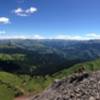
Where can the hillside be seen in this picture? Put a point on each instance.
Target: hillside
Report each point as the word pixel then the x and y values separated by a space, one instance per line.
pixel 81 81
pixel 14 85
pixel 88 66
pixel 80 86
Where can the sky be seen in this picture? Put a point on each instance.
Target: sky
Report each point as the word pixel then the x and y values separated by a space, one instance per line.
pixel 52 19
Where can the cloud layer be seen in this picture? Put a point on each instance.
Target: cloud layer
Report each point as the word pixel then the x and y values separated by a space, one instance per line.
pixel 78 37
pixel 4 20
pixel 61 36
pixel 25 12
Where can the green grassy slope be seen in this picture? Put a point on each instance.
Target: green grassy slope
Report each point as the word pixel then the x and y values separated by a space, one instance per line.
pixel 5 93
pixel 88 66
pixel 12 85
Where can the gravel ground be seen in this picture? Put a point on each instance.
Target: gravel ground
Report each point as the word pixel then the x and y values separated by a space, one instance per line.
pixel 80 86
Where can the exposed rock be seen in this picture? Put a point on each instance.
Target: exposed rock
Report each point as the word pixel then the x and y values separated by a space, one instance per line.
pixel 80 86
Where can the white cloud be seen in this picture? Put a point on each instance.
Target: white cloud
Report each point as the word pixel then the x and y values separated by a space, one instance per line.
pixel 21 36
pixel 69 37
pixel 31 10
pixel 87 36
pixel 18 10
pixel 4 20
pixel 2 32
pixel 37 37
pixel 93 35
pixel 25 12
pixel 60 36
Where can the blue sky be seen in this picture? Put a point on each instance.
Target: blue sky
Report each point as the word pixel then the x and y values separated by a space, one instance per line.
pixel 59 19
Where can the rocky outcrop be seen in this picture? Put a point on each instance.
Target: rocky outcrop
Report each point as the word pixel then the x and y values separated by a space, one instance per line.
pixel 80 86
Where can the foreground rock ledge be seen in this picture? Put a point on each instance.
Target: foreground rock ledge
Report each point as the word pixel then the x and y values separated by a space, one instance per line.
pixel 81 86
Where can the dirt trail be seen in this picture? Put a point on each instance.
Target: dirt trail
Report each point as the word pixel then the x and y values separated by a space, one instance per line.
pixel 24 98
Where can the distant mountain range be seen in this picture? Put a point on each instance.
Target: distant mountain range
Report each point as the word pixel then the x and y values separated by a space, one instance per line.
pixel 65 48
